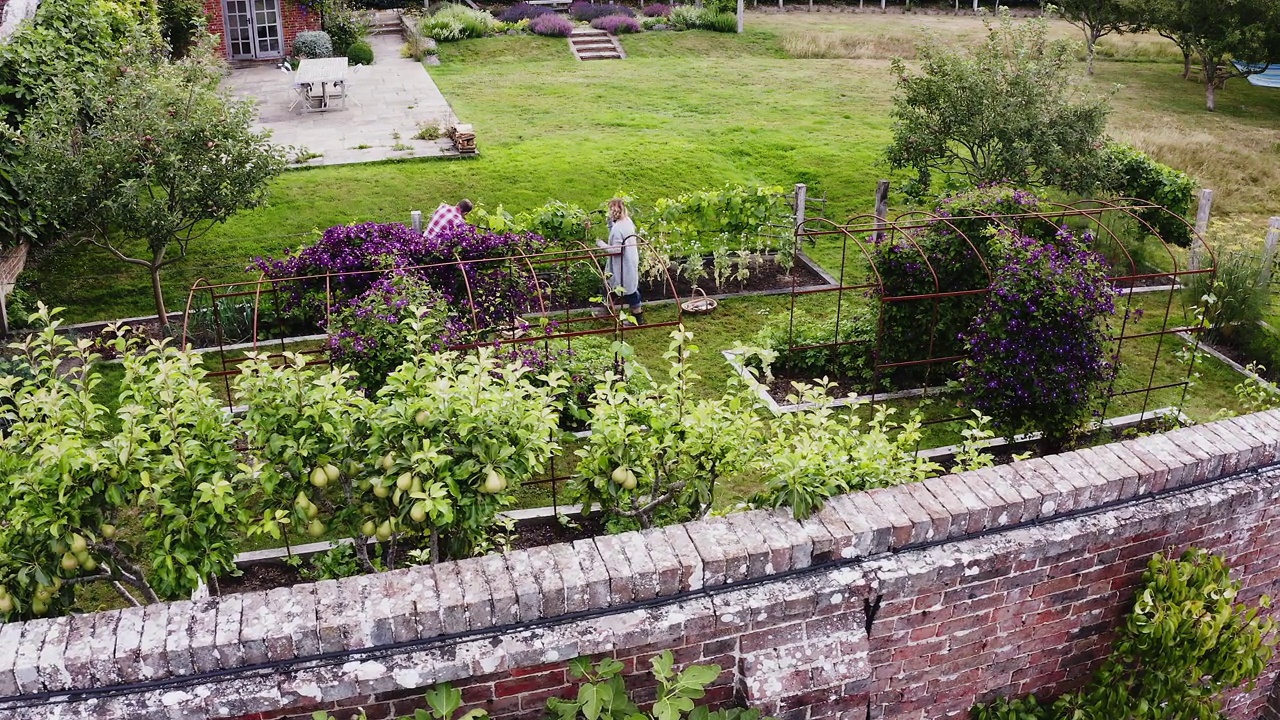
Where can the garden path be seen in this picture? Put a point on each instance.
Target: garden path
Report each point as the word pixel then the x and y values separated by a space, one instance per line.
pixel 387 103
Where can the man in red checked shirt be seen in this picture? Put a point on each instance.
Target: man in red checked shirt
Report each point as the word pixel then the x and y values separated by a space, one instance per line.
pixel 447 217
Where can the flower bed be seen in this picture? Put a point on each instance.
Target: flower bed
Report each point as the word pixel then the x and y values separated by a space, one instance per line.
pixel 551 26
pixel 616 24
pixel 587 11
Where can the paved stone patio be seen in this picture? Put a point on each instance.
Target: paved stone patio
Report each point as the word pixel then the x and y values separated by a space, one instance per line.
pixel 391 97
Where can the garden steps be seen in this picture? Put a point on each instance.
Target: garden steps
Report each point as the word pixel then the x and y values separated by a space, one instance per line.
pixel 384 22
pixel 592 44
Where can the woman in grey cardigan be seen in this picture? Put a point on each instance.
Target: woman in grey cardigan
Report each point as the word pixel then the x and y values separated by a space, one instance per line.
pixel 624 258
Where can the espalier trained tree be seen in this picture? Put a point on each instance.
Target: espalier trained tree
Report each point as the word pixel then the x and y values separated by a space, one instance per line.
pixel 304 429
pixel 161 504
pixel 177 450
pixel 452 436
pixel 435 454
pixel 810 457
pixel 72 481
pixel 655 454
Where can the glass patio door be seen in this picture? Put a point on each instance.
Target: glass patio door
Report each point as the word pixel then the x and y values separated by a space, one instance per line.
pixel 253 29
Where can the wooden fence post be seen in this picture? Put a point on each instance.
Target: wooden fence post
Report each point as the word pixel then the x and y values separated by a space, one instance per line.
pixel 1202 227
pixel 802 194
pixel 741 12
pixel 415 219
pixel 1269 253
pixel 882 208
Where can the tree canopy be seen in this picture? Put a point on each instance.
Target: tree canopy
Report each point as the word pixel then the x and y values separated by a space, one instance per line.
pixel 1217 32
pixel 1098 18
pixel 1002 112
pixel 148 163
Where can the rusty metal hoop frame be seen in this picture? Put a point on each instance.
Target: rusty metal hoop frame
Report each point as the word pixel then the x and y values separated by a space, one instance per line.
pixel 544 306
pixel 576 322
pixel 856 235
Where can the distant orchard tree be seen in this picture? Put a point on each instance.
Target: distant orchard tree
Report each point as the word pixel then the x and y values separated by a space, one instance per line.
pixel 147 163
pixel 1001 112
pixel 1098 18
pixel 1217 32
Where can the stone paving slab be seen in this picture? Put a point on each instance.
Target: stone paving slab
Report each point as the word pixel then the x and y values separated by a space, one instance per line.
pixel 391 97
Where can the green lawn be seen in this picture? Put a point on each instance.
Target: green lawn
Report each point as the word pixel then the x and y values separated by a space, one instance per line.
pixel 684 111
pixel 692 110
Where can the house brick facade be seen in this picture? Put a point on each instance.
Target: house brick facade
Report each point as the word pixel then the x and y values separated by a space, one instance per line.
pixel 294 19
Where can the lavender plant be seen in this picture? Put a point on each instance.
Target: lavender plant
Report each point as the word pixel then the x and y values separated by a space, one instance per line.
pixel 587 11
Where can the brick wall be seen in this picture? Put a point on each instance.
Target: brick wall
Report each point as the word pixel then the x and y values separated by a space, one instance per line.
pixel 294 18
pixel 901 603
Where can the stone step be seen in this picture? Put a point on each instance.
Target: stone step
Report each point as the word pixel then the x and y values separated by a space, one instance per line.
pixel 592 44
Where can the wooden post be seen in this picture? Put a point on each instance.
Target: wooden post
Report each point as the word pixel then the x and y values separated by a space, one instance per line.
pixel 882 208
pixel 741 11
pixel 1202 227
pixel 415 219
pixel 802 194
pixel 1269 253
pixel 882 5
pixel 975 7
pixel 779 4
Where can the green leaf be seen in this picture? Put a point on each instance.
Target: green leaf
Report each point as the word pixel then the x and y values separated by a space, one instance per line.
pixel 591 699
pixel 671 708
pixel 444 700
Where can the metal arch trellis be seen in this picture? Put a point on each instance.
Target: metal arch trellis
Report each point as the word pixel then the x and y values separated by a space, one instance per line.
pixel 545 318
pixel 861 281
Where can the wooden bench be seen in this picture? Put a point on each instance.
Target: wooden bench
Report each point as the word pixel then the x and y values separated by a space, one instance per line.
pixel 553 4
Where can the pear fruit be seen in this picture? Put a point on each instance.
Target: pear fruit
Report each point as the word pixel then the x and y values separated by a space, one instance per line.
pixel 493 482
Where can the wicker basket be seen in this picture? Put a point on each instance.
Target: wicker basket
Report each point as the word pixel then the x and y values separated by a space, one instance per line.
pixel 699 306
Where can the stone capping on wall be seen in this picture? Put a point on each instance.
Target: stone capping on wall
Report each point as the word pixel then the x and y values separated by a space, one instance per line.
pixel 178 644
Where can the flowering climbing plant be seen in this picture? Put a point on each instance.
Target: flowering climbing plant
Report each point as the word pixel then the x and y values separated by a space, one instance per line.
pixel 467 265
pixel 1038 349
pixel 368 332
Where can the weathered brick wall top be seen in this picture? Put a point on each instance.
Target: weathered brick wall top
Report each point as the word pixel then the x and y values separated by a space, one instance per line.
pixel 326 642
pixel 13 12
